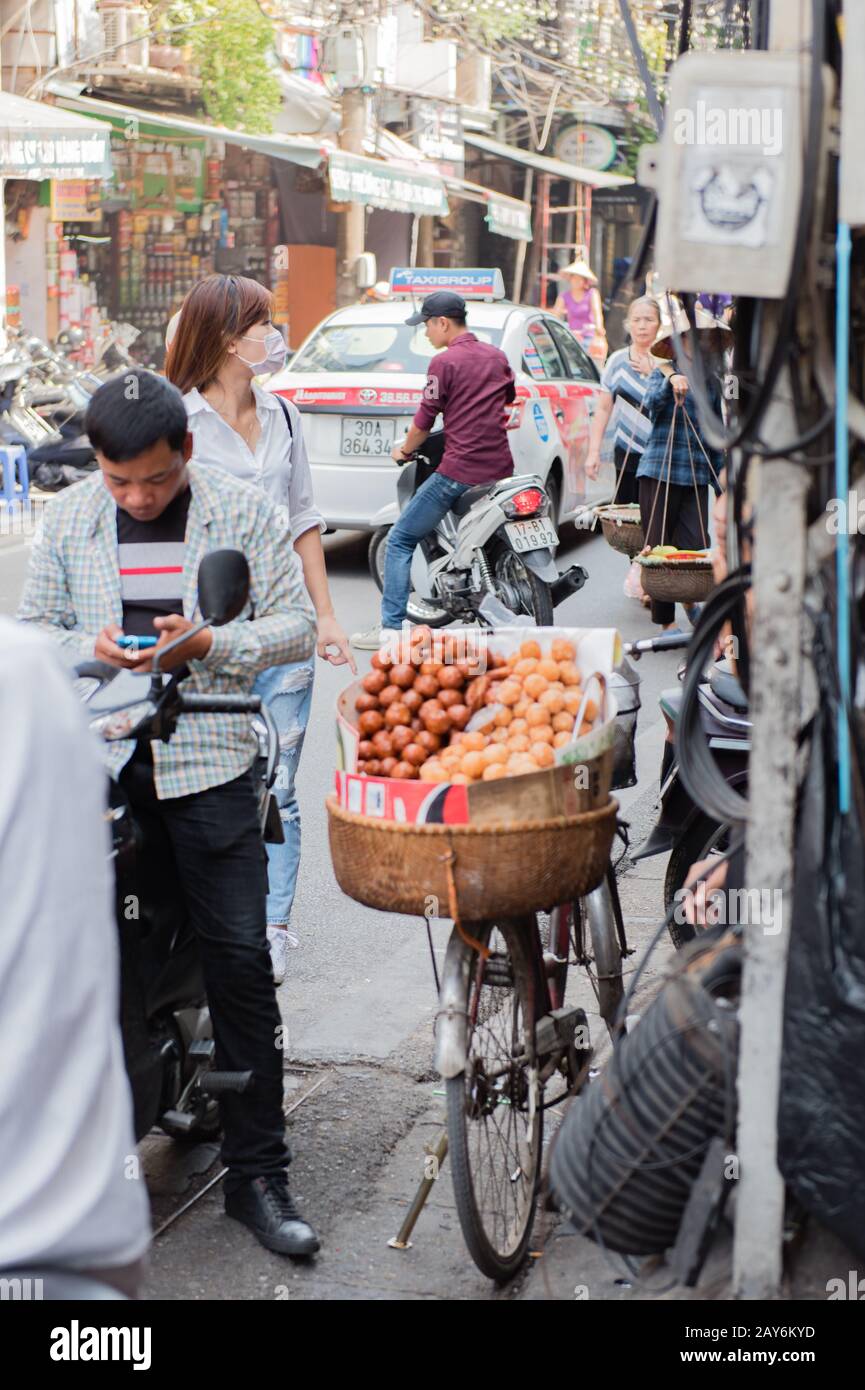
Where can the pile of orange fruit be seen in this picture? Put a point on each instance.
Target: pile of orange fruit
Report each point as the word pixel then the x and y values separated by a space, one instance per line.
pixel 522 709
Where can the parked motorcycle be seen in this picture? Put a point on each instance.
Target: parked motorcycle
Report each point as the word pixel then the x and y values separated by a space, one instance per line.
pixel 44 394
pixel 684 828
pixel 496 543
pixel 165 1022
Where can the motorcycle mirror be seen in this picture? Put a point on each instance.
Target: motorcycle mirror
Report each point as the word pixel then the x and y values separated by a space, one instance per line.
pixel 223 586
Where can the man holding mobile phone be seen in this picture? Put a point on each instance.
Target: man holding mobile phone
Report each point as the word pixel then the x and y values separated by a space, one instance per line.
pixel 119 557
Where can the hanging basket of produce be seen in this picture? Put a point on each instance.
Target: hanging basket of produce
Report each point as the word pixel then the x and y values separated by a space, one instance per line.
pixel 622 527
pixel 671 575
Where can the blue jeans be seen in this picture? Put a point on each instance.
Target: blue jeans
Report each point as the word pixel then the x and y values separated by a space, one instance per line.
pixel 287 691
pixel 431 502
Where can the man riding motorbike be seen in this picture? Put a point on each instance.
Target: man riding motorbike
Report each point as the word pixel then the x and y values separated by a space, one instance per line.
pixel 119 559
pixel 471 384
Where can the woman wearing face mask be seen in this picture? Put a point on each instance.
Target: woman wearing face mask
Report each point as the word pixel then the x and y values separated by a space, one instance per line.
pixel 222 339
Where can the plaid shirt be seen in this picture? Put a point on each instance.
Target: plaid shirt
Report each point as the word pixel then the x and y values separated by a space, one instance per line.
pixel 687 463
pixel 73 592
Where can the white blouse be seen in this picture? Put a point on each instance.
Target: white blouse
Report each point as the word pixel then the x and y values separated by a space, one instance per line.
pixel 279 465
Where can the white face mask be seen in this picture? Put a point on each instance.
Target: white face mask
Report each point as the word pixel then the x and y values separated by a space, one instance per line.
pixel 274 353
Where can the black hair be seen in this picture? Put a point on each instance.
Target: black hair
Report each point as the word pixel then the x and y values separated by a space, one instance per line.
pixel 132 412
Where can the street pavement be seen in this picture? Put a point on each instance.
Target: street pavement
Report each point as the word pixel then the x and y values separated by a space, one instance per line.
pixel 358 1003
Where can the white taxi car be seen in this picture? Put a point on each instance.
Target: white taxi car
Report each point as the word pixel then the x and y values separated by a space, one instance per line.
pixel 358 380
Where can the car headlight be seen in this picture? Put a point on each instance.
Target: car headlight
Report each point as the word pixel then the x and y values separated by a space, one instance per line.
pixel 122 723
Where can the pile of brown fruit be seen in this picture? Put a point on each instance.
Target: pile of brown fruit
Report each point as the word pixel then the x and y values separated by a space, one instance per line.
pixel 413 715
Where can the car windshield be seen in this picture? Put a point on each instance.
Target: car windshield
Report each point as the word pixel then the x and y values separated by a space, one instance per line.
pixel 373 347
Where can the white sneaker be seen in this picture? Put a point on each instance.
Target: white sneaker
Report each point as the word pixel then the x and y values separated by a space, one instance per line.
pixel 277 940
pixel 373 638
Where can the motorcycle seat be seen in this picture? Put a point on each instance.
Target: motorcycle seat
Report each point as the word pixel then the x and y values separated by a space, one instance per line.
pixel 470 496
pixel 725 685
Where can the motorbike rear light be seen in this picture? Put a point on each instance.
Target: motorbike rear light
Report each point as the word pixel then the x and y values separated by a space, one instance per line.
pixel 527 502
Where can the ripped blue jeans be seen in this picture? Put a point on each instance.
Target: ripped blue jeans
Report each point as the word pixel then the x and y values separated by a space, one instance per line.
pixel 287 690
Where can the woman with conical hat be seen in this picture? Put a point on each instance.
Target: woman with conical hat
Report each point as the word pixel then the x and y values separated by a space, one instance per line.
pixel 580 306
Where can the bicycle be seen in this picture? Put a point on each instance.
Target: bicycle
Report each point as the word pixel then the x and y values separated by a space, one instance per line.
pixel 508 979
pixel 512 978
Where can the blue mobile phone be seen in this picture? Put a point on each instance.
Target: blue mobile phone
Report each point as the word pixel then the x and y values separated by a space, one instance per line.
pixel 137 644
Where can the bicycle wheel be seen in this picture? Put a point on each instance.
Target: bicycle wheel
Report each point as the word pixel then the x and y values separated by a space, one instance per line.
pixel 495 1122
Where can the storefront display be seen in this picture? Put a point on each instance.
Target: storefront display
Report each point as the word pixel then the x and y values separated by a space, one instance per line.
pixel 174 213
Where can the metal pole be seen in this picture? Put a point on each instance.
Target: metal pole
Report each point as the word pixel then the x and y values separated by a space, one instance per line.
pixel 425 242
pixel 777 675
pixel 521 245
pixel 351 227
pixel 401 1240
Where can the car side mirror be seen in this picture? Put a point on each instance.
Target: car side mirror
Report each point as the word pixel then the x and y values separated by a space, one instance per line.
pixel 223 586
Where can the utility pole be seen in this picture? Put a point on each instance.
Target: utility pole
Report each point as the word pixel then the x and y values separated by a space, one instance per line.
pixel 425 255
pixel 351 227
pixel 777 676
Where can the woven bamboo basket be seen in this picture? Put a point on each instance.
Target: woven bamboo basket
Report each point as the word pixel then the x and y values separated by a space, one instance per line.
pixel 680 581
pixel 475 872
pixel 622 528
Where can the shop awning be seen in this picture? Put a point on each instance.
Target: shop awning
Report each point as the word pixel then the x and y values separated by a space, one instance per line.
pixel 595 178
pixel 356 179
pixel 39 141
pixel 297 149
pixel 505 216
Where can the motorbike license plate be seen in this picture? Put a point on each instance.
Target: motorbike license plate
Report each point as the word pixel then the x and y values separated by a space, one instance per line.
pixel 538 533
pixel 367 436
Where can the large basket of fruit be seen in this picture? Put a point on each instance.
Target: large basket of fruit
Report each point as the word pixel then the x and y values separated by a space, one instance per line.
pixel 670 575
pixel 469 872
pixel 516 727
pixel 622 527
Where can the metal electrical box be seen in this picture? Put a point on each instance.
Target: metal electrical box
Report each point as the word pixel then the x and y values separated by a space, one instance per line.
pixel 343 55
pixel 728 171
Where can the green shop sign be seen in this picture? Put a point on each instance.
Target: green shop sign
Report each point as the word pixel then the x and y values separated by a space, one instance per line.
pixel 507 217
pixel 354 179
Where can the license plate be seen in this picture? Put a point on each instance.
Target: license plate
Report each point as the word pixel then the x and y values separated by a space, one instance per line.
pixel 367 437
pixel 538 533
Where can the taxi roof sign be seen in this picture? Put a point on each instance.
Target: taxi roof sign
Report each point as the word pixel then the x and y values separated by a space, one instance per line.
pixel 411 282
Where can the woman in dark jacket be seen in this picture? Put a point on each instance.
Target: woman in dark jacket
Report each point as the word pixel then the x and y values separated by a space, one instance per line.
pixel 674 474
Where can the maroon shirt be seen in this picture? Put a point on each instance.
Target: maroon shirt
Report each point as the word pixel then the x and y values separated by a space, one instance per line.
pixel 470 383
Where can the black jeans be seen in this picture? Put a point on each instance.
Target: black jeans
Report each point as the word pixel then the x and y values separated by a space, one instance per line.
pixel 627 489
pixel 682 526
pixel 208 848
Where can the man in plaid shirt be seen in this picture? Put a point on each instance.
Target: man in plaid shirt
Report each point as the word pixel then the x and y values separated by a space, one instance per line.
pixel 119 555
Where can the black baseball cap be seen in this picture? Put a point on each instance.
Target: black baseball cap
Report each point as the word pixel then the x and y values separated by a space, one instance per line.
pixel 444 304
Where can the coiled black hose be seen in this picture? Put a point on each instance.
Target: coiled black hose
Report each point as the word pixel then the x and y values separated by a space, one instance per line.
pixel 629 1150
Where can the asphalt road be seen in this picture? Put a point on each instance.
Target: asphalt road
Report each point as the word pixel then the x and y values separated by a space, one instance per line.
pixel 359 1002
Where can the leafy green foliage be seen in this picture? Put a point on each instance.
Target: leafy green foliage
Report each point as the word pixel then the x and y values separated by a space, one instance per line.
pixel 230 42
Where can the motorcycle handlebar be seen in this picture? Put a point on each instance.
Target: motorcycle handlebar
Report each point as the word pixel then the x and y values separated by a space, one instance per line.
pixel 667 642
pixel 220 704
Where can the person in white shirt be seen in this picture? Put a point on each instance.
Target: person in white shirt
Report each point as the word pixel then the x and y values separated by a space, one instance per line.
pixel 72 1194
pixel 221 339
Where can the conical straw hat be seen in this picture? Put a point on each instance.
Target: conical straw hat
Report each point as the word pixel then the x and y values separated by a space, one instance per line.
pixel 578 268
pixel 720 337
